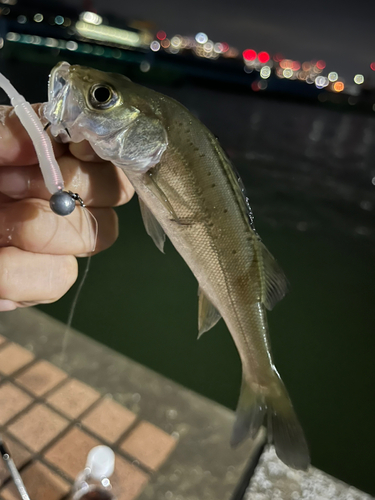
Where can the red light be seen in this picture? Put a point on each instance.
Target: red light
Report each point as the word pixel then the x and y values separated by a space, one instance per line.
pixel 224 47
pixel 255 86
pixel 161 35
pixel 263 57
pixel 296 66
pixel 320 64
pixel 249 54
pixel 372 66
pixel 278 57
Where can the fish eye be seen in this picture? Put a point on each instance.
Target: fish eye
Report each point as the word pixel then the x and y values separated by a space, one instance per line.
pixel 102 96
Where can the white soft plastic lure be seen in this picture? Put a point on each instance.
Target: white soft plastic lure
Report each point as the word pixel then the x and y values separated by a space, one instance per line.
pixel 61 202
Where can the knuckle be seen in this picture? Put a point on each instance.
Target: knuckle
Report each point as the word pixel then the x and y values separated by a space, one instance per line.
pixel 108 230
pixel 7 259
pixel 71 267
pixel 63 276
pixel 127 189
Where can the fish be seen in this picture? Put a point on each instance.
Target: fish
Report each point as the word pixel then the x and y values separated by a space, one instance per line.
pixel 189 191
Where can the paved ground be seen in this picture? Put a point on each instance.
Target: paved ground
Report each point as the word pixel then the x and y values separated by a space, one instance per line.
pixel 273 480
pixel 170 443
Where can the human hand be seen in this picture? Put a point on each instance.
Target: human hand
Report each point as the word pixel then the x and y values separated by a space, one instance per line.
pixel 38 248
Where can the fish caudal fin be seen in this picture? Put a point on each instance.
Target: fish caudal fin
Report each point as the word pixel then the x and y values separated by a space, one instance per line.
pixel 250 413
pixel 284 429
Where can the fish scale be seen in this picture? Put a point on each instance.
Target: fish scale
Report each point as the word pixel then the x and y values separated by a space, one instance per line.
pixel 223 259
pixel 189 191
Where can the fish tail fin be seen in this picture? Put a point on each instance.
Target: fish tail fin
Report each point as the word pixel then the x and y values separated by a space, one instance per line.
pixel 284 429
pixel 250 413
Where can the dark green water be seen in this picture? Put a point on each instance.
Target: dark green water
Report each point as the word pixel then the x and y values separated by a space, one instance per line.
pixel 308 175
pixel 144 304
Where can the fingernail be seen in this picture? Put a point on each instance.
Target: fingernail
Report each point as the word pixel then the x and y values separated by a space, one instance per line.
pixel 7 305
pixel 13 183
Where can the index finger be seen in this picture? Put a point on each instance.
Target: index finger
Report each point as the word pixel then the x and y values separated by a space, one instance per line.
pixel 16 147
pixel 83 151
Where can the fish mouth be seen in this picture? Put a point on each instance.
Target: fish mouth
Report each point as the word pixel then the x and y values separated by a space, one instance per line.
pixel 58 79
pixel 62 109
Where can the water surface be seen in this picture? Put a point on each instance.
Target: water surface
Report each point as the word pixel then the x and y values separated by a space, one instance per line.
pixel 309 174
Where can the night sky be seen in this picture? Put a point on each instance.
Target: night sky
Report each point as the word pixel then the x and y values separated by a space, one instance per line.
pixel 342 34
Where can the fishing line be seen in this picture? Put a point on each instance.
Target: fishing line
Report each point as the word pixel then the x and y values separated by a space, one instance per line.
pixel 93 232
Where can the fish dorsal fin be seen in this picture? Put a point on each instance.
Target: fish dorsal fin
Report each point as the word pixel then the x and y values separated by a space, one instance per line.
pixel 276 284
pixel 153 228
pixel 237 183
pixel 208 315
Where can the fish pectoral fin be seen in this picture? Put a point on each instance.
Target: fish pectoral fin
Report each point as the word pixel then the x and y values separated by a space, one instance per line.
pixel 183 221
pixel 208 315
pixel 153 228
pixel 160 195
pixel 276 284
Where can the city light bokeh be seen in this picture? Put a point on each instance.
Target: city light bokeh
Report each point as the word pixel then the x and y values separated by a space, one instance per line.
pixel 91 33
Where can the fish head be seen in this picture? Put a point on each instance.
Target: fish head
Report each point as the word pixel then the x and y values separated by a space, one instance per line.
pixel 109 111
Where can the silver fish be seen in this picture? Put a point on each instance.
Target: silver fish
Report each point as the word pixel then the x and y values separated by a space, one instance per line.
pixel 189 191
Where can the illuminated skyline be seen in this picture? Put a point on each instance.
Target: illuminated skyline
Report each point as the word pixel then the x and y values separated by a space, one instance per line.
pixel 340 33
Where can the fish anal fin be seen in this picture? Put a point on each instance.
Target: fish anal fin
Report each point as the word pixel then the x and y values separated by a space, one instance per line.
pixel 208 315
pixel 250 413
pixel 153 228
pixel 276 284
